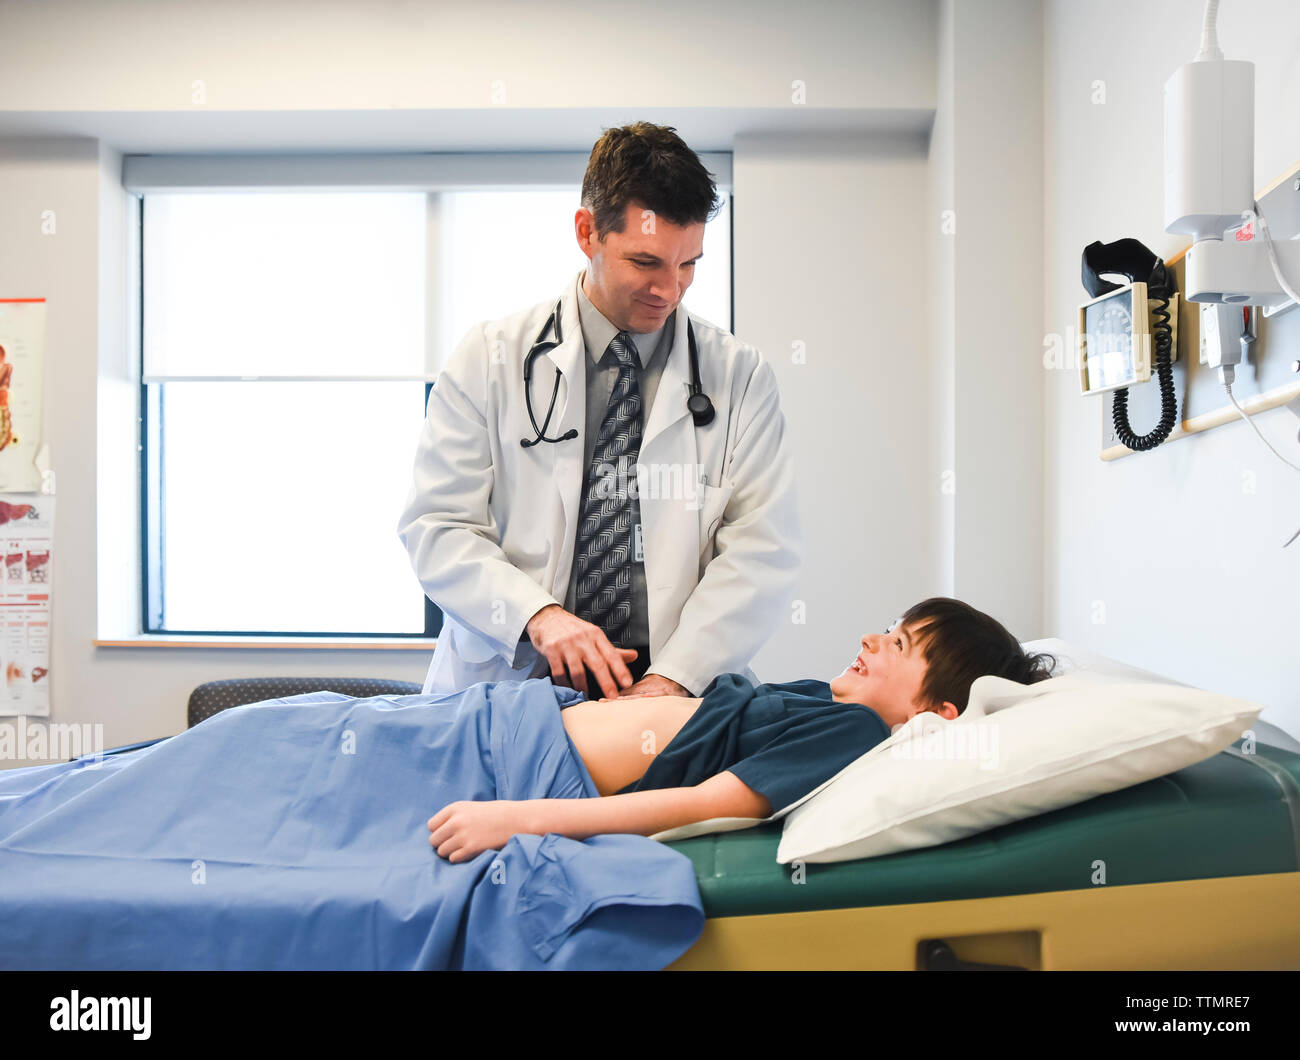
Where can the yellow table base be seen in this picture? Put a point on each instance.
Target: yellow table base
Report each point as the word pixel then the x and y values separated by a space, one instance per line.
pixel 1234 922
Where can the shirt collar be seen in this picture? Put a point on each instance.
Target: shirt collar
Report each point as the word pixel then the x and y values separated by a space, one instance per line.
pixel 598 332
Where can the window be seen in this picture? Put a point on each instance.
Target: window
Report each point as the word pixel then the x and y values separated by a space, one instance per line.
pixel 289 339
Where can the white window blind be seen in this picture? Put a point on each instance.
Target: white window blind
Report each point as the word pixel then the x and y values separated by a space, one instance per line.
pixel 281 285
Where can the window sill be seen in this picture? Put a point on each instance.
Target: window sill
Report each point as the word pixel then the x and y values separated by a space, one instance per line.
pixel 156 640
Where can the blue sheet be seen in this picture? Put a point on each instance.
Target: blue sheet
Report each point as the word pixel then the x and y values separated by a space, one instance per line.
pixel 292 834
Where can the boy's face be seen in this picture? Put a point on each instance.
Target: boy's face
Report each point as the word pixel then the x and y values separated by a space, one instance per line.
pixel 886 676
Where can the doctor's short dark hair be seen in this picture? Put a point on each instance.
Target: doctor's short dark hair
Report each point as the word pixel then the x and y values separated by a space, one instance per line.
pixel 960 644
pixel 651 165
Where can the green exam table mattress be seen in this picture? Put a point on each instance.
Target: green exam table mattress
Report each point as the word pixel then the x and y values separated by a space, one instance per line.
pixel 1199 868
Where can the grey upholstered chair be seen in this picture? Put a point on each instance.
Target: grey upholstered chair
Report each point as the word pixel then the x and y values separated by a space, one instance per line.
pixel 216 696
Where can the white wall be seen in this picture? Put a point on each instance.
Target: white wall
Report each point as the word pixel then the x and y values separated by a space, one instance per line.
pixel 818 186
pixel 846 328
pixel 1185 569
pixel 343 55
pixel 998 422
pixel 920 342
pixel 923 347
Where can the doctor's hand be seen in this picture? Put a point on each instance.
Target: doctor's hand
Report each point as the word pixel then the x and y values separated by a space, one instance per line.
pixel 572 645
pixel 655 685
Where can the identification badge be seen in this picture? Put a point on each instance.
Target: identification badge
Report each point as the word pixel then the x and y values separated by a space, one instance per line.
pixel 638 550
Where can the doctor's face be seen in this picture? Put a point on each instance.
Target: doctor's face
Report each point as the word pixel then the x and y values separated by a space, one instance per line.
pixel 638 276
pixel 886 676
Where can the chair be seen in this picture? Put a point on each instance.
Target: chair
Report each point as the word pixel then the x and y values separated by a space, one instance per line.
pixel 215 696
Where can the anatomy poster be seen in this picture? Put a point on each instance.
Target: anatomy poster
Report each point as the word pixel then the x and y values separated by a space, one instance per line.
pixel 26 533
pixel 22 365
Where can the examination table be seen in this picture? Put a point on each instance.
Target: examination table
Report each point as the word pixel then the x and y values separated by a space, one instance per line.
pixel 1197 869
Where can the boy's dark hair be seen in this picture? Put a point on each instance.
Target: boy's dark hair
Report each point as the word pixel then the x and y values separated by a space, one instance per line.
pixel 650 165
pixel 960 644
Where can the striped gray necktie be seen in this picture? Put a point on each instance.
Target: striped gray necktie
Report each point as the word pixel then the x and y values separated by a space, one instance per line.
pixel 605 545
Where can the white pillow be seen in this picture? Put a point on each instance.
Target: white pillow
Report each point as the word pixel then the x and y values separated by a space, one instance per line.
pixel 1016 751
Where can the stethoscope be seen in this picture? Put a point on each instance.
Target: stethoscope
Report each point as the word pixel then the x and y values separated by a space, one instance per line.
pixel 698 403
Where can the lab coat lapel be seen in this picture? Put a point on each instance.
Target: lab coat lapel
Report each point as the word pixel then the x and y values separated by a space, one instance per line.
pixel 570 357
pixel 670 397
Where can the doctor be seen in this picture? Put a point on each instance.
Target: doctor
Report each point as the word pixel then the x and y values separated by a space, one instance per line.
pixel 620 542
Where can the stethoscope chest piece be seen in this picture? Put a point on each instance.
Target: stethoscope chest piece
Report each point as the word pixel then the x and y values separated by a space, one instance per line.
pixel 701 409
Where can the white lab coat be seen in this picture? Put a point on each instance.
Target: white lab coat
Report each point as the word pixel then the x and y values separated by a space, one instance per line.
pixel 490 526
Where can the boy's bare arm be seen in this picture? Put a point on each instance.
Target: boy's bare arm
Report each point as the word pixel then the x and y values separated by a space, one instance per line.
pixel 461 830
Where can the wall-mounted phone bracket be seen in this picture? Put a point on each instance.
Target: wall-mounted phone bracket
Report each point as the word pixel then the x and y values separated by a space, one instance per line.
pixel 1266 380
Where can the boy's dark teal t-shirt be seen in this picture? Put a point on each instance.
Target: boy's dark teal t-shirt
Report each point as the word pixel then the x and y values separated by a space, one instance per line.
pixel 780 740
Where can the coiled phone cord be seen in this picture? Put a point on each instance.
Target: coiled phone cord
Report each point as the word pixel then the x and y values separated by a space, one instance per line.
pixel 1164 341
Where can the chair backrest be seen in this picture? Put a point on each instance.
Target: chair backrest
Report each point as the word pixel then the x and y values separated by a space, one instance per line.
pixel 216 696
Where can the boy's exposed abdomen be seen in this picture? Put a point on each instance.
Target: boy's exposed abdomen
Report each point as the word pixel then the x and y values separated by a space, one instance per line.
pixel 619 738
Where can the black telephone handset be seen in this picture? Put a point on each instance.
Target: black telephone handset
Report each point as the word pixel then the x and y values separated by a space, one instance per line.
pixel 1128 257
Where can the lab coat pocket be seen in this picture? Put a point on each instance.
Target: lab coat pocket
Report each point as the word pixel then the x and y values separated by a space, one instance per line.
pixel 713 504
pixel 468 645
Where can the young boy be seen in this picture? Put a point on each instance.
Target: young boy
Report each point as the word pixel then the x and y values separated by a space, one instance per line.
pixel 660 762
